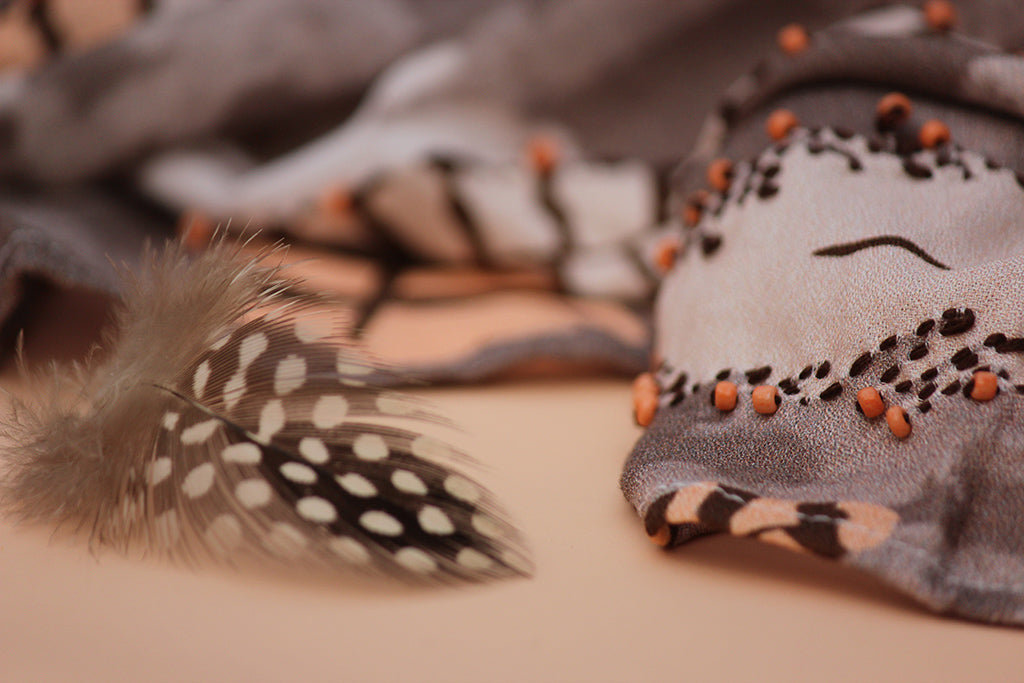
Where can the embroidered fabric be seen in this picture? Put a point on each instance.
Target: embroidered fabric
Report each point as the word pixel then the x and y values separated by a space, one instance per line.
pixel 866 281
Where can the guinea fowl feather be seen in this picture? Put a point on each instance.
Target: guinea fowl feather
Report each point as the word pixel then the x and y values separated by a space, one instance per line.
pixel 221 419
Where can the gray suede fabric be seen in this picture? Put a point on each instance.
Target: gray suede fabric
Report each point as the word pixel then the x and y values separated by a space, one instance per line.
pixel 852 257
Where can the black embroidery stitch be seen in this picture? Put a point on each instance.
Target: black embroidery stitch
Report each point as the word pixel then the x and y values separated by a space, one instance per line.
pixel 848 248
pixel 964 358
pixel 956 321
pixel 861 364
pixel 758 375
pixel 832 391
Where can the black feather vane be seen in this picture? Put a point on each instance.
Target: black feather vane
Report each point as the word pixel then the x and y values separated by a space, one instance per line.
pixel 225 421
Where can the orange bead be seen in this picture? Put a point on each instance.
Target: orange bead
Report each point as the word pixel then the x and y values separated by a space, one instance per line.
pixel 662 536
pixel 940 14
pixel 665 254
pixel 725 396
pixel 544 153
pixel 645 399
pixel 986 386
pixel 870 402
pixel 899 423
pixel 720 174
pixel 335 201
pixel 195 230
pixel 793 39
pixel 893 110
pixel 694 207
pixel 765 399
pixel 781 123
pixel 933 133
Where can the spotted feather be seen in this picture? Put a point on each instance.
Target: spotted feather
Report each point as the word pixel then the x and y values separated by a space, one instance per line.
pixel 228 422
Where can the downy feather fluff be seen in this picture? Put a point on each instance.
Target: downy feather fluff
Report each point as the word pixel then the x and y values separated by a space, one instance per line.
pixel 222 421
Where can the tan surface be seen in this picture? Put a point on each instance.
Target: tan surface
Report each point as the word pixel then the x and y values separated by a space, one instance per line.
pixel 606 605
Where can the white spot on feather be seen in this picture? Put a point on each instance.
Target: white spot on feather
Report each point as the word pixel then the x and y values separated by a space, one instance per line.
pixel 462 488
pixel 347 366
pixel 316 509
pixel 395 404
pixel 224 534
pixel 170 420
pixel 234 389
pixel 289 375
pixel 299 473
pixel 200 378
pixel 129 510
pixel 380 523
pixel 244 453
pixel 272 419
pixel 516 561
pixel 253 493
pixel 430 448
pixel 158 470
pixel 199 432
pixel 349 549
pixel 310 330
pixel 198 481
pixel 284 540
pixel 370 447
pixel 408 482
pixel 415 560
pixel 166 529
pixel 329 411
pixel 473 559
pixel 314 450
pixel 251 348
pixel 357 485
pixel 433 520
pixel 486 526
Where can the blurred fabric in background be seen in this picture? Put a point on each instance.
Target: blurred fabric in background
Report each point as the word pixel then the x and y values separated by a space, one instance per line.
pixel 122 121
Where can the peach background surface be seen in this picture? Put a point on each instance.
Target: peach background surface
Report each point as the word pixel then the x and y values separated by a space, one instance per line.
pixel 605 604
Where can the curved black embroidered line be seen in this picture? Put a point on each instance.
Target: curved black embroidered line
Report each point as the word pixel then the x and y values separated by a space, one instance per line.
pixel 881 241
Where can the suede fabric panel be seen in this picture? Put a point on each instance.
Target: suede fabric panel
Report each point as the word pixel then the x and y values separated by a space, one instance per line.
pixel 851 258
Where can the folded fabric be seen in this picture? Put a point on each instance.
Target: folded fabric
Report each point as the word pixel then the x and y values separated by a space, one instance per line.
pixel 843 374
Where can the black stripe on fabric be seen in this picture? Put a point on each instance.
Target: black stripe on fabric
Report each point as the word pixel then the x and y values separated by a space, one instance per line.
pixel 367 310
pixel 448 168
pixel 39 15
pixel 848 248
pixel 655 517
pixel 549 202
pixel 817 529
pixel 718 508
pixel 392 250
pixel 662 190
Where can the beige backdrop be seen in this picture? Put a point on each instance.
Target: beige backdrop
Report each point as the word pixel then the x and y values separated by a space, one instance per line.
pixel 605 605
